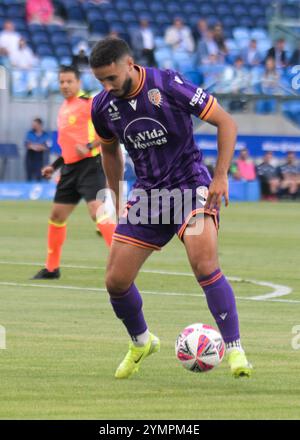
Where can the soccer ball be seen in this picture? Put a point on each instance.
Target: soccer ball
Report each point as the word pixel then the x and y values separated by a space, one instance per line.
pixel 199 348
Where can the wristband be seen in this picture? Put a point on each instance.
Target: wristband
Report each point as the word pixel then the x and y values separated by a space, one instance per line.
pixel 57 163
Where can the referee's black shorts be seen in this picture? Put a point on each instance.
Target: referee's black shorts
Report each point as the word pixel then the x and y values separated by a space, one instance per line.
pixel 81 179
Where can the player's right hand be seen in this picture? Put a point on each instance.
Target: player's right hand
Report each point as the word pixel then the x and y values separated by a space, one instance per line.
pixel 47 171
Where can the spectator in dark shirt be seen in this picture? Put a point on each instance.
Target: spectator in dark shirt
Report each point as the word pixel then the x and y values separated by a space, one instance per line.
pixel 268 177
pixel 278 53
pixel 290 175
pixel 295 58
pixel 36 143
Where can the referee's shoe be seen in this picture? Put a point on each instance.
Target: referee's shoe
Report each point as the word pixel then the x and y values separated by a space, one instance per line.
pixel 45 274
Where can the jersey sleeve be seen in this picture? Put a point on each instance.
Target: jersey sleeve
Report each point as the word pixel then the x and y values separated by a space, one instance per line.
pixel 189 97
pixel 106 137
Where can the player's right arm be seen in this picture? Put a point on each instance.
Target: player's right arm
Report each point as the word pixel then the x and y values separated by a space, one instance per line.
pixel 113 165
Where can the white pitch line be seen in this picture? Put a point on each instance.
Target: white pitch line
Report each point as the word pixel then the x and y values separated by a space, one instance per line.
pixel 278 289
pixel 147 292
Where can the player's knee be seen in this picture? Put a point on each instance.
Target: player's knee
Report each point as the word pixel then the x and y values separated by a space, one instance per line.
pixel 205 268
pixel 116 285
pixel 57 217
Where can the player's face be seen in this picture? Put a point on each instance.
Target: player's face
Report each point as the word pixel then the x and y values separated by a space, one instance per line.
pixel 69 84
pixel 117 78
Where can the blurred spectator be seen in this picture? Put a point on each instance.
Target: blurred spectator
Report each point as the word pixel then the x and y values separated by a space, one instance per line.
pixel 243 168
pixel 80 58
pixel 179 36
pixel 220 39
pixel 200 30
pixel 142 43
pixel 268 85
pixel 9 39
pixel 269 177
pixel 295 58
pixel 236 79
pixel 23 57
pixel 290 175
pixel 207 47
pixel 39 11
pixel 278 53
pixel 36 144
pixel 251 55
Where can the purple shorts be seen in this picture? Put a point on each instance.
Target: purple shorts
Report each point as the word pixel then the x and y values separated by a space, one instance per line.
pixel 151 222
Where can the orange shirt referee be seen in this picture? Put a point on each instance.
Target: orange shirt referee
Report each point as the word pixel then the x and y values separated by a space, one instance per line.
pixel 82 174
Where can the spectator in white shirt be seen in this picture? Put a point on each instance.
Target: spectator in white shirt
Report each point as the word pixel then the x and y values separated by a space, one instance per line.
pixel 23 57
pixel 9 39
pixel 179 36
pixel 251 55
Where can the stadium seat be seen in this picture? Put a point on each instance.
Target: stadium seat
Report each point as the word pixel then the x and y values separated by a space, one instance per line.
pixel 145 15
pixel 164 58
pixel 20 24
pixel 174 9
pixel 99 27
pixel 63 51
pixel 44 50
pixel 58 39
pixel 128 17
pixel 111 16
pixel 15 11
pixel 190 8
pixel 122 5
pixel 40 38
pixel 241 33
pixel 157 7
pixel 183 61
pixel 258 34
pixel 139 5
pixel 75 13
pixel 65 60
pixel 48 63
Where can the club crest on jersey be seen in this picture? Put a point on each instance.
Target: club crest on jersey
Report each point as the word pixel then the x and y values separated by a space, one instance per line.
pixel 155 97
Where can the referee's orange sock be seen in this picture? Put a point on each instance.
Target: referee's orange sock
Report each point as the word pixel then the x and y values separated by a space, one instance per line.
pixel 57 233
pixel 106 228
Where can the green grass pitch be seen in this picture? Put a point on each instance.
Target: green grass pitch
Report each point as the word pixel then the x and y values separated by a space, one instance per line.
pixel 63 344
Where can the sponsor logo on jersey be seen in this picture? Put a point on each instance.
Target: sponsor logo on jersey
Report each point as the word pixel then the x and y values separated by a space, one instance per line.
pixel 154 136
pixel 198 97
pixel 113 111
pixel 155 97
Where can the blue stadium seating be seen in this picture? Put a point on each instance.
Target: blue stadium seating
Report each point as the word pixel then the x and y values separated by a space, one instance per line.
pixel 44 50
pixel 99 27
pixel 63 51
pixel 75 13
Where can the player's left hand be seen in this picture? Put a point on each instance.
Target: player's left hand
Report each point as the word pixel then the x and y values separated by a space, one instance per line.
pixel 217 190
pixel 82 150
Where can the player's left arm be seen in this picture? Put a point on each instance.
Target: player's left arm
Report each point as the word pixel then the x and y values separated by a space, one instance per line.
pixel 227 133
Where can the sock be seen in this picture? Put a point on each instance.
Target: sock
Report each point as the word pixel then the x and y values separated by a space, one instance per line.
pixel 142 339
pixel 221 303
pixel 106 228
pixel 128 308
pixel 56 236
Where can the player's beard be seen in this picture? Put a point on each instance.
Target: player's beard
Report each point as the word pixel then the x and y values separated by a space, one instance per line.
pixel 125 89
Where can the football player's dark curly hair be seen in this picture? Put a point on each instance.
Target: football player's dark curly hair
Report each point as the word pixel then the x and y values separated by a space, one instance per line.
pixel 108 51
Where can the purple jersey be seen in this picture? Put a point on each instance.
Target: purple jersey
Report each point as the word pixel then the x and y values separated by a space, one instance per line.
pixel 155 125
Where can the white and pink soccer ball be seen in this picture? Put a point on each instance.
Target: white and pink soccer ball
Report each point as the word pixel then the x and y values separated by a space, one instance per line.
pixel 199 348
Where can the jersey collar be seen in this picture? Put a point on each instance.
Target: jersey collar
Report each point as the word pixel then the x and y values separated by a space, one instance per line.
pixel 142 78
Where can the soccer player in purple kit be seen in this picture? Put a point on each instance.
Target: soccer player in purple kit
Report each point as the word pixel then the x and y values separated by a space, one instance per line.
pixel 149 110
